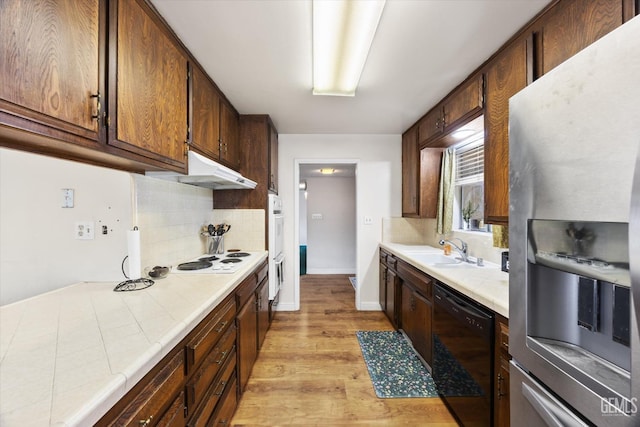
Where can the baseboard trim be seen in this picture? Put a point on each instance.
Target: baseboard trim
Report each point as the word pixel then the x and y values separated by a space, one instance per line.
pixel 331 271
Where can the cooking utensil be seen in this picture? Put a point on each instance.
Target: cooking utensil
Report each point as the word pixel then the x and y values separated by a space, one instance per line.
pixel 211 229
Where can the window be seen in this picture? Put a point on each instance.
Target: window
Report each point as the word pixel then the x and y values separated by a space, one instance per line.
pixel 469 182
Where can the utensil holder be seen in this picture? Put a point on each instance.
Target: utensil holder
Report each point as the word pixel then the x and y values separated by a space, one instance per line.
pixel 216 245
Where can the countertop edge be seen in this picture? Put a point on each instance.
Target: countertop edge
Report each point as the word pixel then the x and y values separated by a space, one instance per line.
pixel 478 292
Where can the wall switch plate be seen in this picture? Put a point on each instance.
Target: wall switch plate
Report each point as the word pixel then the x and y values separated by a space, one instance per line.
pixel 368 220
pixel 67 197
pixel 316 216
pixel 84 230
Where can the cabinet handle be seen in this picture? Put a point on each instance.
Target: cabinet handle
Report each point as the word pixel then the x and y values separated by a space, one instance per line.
pixel 144 423
pixel 97 96
pixel 221 327
pixel 500 381
pixel 222 356
pixel 221 387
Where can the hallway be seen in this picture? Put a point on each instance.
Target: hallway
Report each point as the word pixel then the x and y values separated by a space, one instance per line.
pixel 310 369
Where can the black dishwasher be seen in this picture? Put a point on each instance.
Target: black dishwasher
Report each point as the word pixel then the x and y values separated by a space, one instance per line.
pixel 463 356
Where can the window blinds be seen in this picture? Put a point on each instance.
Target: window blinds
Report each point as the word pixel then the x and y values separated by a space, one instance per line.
pixel 470 163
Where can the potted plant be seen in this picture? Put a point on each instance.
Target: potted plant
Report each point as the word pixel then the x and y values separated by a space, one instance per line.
pixel 467 212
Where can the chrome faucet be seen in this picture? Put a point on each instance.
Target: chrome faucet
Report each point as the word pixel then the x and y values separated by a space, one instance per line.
pixel 463 250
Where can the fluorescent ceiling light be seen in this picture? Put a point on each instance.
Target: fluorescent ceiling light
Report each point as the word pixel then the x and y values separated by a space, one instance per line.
pixel 327 171
pixel 343 31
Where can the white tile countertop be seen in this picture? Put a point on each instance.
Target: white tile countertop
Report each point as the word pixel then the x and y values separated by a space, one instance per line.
pixel 67 356
pixel 488 285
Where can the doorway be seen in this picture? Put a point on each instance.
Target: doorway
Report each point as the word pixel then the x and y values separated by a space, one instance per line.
pixel 326 212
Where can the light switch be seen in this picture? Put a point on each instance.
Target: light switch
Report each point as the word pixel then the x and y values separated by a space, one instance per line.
pixel 316 216
pixel 67 197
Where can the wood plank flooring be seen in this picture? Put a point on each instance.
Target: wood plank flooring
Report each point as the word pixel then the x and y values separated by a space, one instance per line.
pixel 310 371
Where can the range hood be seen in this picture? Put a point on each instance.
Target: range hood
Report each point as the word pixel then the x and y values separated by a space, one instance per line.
pixel 204 172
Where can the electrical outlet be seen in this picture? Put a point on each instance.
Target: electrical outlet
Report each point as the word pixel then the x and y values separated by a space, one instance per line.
pixel 84 230
pixel 368 220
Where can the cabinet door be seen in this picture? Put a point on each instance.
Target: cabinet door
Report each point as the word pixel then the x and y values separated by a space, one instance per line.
pixel 464 103
pixel 410 174
pixel 390 297
pixel 501 394
pixel 382 287
pixel 247 324
pixel 229 136
pixel 430 126
pixel 263 310
pixel 273 159
pixel 416 321
pixel 205 117
pixel 148 87
pixel 430 166
pixel 505 76
pixel 572 25
pixel 51 65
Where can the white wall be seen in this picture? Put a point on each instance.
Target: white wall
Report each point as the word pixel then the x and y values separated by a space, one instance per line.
pixel 378 195
pixel 38 249
pixel 331 237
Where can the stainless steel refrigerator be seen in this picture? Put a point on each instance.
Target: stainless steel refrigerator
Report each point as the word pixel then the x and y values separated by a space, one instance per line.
pixel 574 238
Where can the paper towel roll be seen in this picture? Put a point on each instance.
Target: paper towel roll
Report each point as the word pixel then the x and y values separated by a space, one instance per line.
pixel 133 250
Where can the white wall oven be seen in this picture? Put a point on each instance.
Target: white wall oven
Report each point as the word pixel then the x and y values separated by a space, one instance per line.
pixel 276 243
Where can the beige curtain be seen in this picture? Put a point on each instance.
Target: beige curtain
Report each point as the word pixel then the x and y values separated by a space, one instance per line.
pixel 444 215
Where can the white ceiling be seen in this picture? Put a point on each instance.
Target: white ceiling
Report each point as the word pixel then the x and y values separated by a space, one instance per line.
pixel 259 54
pixel 341 170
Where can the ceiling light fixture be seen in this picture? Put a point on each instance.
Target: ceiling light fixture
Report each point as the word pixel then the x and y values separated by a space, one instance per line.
pixel 343 31
pixel 326 171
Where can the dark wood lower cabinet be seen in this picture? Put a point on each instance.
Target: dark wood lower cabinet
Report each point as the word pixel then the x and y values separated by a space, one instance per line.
pixel 416 320
pixel 199 381
pixel 501 368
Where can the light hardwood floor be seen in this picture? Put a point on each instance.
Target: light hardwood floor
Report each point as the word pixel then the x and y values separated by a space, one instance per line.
pixel 310 371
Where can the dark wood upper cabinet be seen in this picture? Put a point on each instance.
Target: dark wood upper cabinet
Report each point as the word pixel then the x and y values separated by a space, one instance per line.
pixel 462 105
pixel 410 173
pixel 52 66
pixel 506 75
pixel 148 82
pixel 273 159
pixel 229 136
pixel 205 114
pixel 572 25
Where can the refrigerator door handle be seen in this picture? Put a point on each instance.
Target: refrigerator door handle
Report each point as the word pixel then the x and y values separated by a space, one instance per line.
pixel 552 414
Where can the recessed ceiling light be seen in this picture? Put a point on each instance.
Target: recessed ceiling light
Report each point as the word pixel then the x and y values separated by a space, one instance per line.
pixel 343 31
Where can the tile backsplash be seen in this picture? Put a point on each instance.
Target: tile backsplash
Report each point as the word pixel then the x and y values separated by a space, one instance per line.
pixel 39 251
pixel 170 217
pixel 247 230
pixel 422 231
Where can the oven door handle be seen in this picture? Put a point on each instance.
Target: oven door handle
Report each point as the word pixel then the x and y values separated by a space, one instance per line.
pixel 551 413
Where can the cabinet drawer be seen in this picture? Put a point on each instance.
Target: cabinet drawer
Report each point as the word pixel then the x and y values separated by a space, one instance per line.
pixel 212 364
pixel 228 406
pixel 246 289
pixel 418 280
pixel 383 258
pixel 200 345
pixel 207 407
pixel 148 403
pixel 391 262
pixel 174 417
pixel 262 273
pixel 502 335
